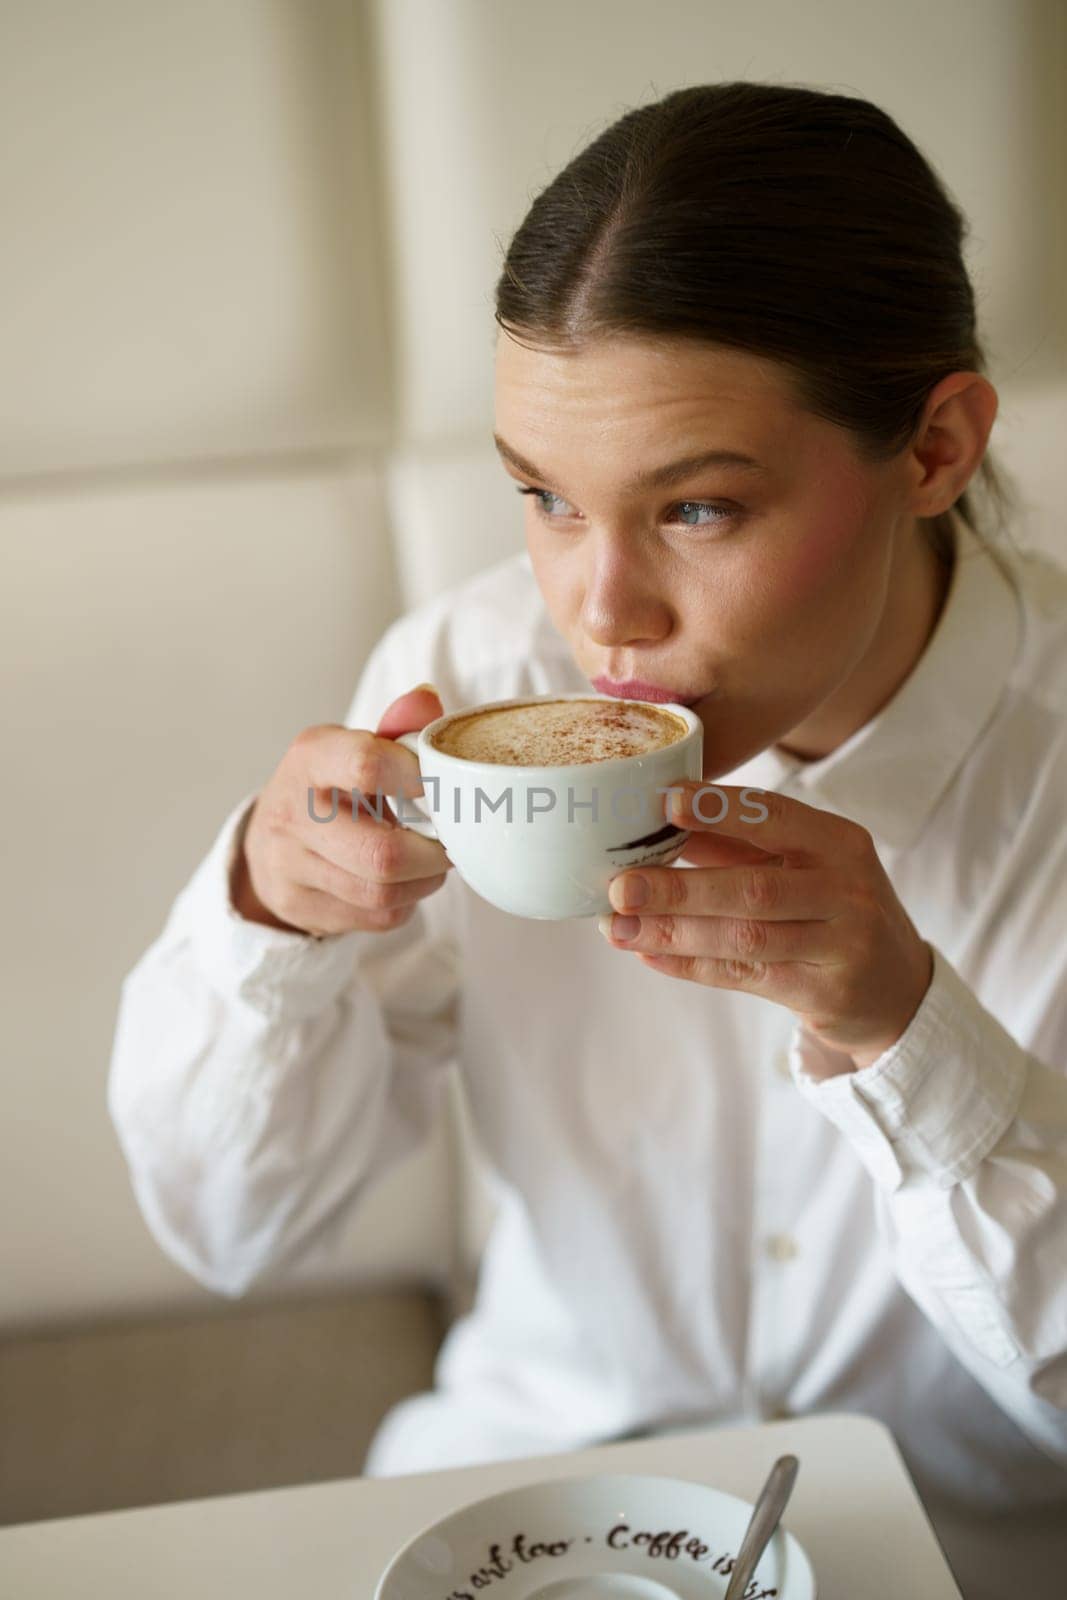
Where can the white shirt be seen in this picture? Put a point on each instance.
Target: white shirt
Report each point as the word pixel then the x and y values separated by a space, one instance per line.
pixel 691 1228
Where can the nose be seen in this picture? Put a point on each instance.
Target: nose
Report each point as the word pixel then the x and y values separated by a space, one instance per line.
pixel 621 600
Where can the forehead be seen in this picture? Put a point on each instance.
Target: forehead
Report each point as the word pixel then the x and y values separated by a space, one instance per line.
pixel 625 389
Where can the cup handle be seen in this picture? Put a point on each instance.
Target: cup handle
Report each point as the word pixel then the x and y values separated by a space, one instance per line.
pixel 422 824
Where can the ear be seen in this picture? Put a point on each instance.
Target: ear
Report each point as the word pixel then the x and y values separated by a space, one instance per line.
pixel 950 441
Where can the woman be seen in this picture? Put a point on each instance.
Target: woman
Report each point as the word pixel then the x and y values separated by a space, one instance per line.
pixel 792 1135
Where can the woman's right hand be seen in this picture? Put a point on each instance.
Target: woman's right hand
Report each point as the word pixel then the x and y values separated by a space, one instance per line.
pixel 354 871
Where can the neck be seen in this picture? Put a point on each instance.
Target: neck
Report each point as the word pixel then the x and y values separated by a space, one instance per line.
pixel 918 588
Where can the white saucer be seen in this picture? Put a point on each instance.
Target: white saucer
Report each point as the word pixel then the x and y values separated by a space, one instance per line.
pixel 617 1536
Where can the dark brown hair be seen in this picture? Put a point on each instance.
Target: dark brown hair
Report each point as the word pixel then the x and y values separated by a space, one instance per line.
pixel 783 221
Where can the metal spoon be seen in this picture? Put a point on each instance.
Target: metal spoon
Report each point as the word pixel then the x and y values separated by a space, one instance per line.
pixel 766 1515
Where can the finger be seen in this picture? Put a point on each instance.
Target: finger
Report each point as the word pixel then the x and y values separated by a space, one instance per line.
pixel 761 889
pixel 726 938
pixel 369 843
pixel 792 984
pixel 719 850
pixel 410 711
pixel 775 822
pixel 331 757
pixel 320 914
pixel 385 851
pixel 372 894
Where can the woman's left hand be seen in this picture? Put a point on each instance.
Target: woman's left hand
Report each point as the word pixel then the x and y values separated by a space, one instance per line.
pixel 795 906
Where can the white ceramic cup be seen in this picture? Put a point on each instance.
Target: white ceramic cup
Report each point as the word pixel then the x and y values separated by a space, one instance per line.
pixel 545 842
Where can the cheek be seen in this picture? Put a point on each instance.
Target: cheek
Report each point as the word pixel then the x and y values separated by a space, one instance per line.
pixel 821 572
pixel 819 565
pixel 556 580
pixel 788 596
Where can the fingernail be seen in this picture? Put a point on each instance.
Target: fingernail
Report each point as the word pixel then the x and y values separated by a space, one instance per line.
pixel 629 892
pixel 429 686
pixel 678 803
pixel 621 928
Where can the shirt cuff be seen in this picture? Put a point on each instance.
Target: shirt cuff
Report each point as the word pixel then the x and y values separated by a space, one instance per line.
pixel 271 969
pixel 936 1102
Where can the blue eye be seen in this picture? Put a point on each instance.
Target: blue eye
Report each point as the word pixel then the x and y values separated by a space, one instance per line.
pixel 541 495
pixel 719 513
pixel 702 505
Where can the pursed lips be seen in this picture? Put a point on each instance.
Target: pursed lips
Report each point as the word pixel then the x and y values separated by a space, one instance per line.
pixel 635 689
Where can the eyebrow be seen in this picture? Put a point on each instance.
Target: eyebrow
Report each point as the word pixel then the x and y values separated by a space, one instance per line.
pixel 657 477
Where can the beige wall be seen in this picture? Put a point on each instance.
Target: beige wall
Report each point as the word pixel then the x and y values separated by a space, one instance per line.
pixel 187 269
pixel 245 394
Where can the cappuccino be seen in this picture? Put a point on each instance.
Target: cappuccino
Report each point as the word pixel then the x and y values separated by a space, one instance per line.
pixel 560 733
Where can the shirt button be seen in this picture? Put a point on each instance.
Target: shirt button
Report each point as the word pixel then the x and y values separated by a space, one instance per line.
pixel 781 1064
pixel 781 1246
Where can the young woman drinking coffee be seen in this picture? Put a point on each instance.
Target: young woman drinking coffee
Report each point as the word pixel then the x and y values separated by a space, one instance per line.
pixel 789 1133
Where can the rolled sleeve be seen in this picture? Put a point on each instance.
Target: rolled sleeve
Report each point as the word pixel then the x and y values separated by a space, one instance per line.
pixel 936 1102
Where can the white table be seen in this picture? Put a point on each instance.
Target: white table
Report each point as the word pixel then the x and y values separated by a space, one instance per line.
pixel 854 1509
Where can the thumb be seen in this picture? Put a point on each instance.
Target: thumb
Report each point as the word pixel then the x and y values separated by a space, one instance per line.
pixel 410 712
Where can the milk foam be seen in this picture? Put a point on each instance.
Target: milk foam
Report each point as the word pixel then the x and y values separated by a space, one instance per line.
pixel 557 733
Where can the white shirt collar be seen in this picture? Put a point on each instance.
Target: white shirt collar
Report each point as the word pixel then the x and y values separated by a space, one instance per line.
pixel 890 773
